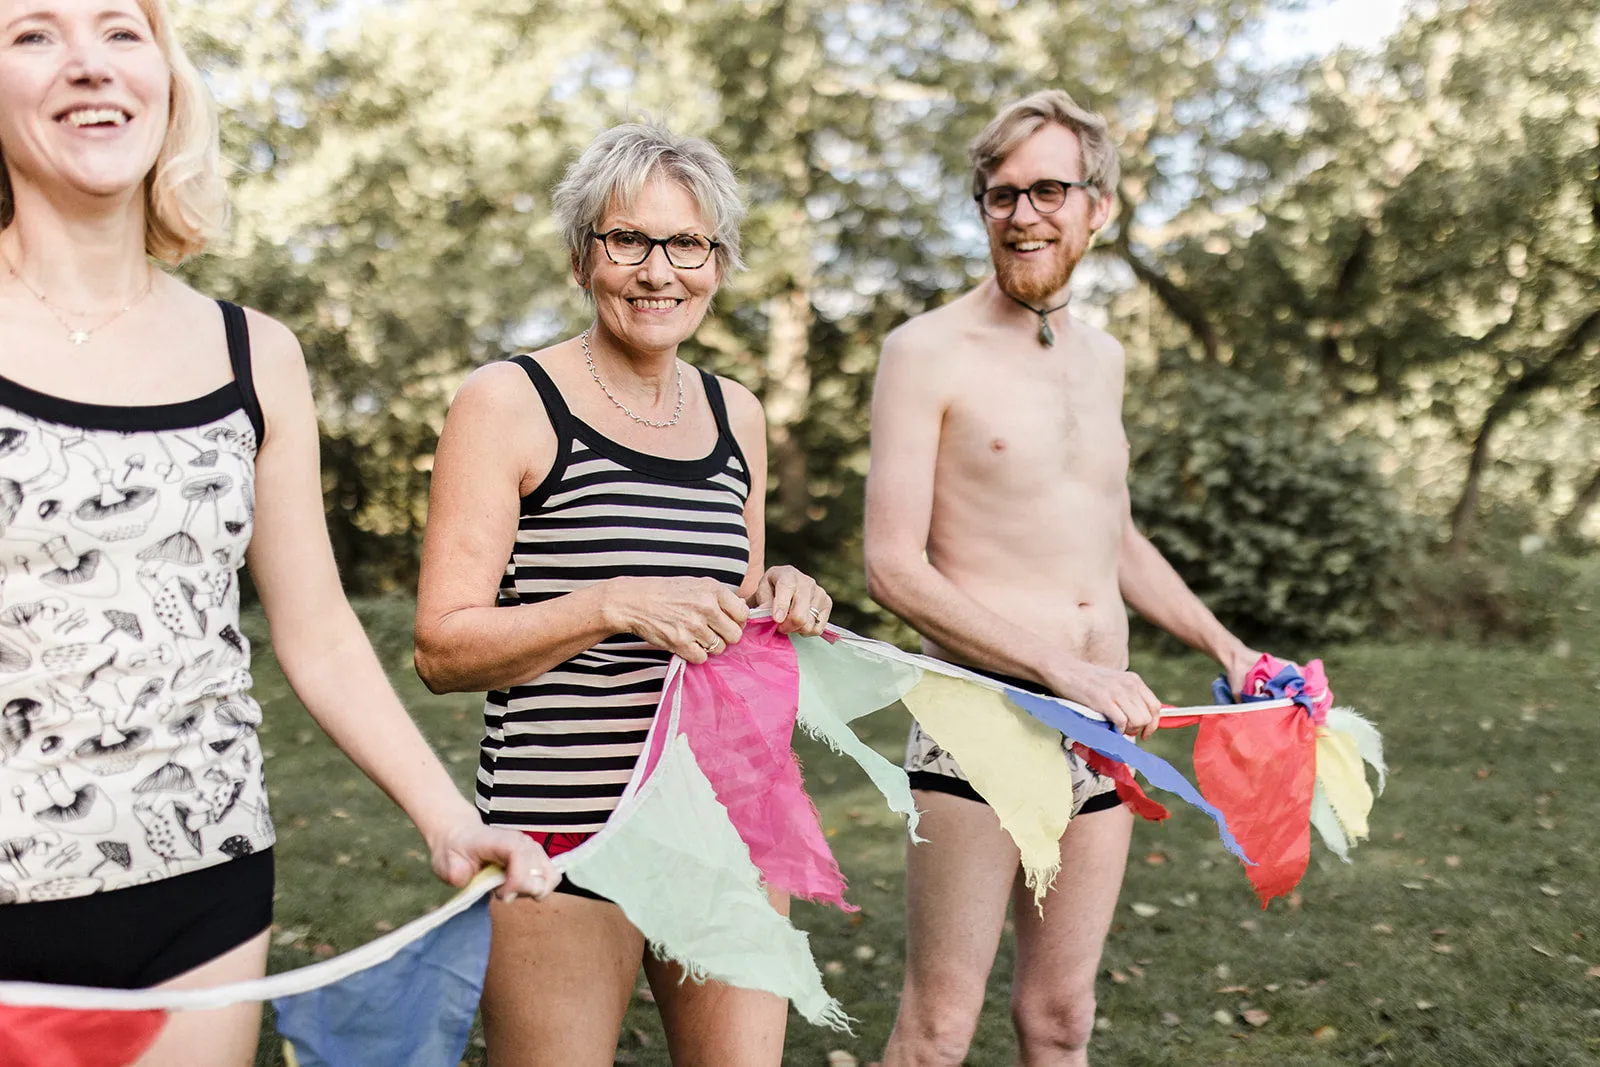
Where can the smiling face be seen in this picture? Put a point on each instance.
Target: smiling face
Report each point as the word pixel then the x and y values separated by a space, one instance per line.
pixel 1035 254
pixel 652 307
pixel 84 97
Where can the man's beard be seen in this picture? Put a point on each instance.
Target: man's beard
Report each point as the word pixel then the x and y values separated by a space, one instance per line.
pixel 1037 281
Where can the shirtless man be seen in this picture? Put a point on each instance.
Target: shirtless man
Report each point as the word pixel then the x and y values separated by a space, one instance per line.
pixel 998 526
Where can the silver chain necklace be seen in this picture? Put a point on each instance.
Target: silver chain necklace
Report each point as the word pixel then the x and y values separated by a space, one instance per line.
pixel 80 335
pixel 594 372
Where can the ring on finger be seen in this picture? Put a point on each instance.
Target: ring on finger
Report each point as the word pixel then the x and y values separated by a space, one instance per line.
pixel 816 615
pixel 715 646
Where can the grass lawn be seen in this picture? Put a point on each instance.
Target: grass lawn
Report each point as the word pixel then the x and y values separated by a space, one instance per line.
pixel 1466 932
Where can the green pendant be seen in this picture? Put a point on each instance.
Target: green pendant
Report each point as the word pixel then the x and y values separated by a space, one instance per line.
pixel 1047 336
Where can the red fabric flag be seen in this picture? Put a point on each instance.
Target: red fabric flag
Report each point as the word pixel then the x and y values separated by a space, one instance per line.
pixel 1128 788
pixel 738 711
pixel 58 1037
pixel 1260 768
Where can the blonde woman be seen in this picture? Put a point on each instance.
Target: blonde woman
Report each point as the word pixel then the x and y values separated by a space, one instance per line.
pixel 152 442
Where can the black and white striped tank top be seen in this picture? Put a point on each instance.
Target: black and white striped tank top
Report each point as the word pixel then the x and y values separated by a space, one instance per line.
pixel 559 749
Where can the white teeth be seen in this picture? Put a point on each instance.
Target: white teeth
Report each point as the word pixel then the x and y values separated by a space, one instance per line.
pixel 97 117
pixel 1029 246
pixel 654 305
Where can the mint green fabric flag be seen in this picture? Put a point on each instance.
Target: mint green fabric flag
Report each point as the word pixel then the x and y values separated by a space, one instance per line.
pixel 673 862
pixel 1327 824
pixel 840 683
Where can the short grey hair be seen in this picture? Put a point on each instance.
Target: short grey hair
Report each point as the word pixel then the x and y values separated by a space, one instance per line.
pixel 616 166
pixel 1022 119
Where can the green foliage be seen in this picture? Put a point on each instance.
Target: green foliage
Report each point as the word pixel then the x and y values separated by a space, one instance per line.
pixel 1477 598
pixel 1287 532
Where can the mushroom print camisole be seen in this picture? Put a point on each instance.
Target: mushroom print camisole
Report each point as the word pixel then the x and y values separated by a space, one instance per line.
pixel 128 748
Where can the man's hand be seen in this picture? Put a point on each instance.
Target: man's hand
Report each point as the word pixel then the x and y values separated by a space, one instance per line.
pixel 1236 663
pixel 1121 696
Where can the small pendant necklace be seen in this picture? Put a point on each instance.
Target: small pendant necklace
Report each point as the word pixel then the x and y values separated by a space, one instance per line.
pixel 80 335
pixel 594 372
pixel 1047 336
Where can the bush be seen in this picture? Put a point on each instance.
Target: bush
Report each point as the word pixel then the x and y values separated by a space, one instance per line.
pixel 1476 598
pixel 1288 533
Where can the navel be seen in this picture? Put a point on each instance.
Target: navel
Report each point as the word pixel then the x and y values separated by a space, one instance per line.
pixel 998 445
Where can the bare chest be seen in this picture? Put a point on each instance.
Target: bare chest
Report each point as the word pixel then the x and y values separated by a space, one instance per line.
pixel 1011 434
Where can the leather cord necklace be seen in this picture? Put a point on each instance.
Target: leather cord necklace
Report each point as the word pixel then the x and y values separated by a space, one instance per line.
pixel 1047 336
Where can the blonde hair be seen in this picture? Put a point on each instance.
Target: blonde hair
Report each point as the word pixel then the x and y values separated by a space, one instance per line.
pixel 616 166
pixel 185 198
pixel 1020 120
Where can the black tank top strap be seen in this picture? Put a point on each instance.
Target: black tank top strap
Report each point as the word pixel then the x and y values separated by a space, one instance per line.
pixel 719 411
pixel 238 329
pixel 562 421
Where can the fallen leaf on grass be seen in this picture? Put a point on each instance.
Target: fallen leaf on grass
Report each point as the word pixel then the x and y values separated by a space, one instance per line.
pixel 1324 1033
pixel 1222 1018
pixel 840 1058
pixel 1118 978
pixel 1444 950
pixel 1541 950
pixel 1255 1016
pixel 1169 1018
pixel 1426 1005
pixel 1145 911
pixel 1382 928
pixel 1592 972
pixel 1550 891
pixel 323 951
pixel 864 952
pixel 1411 885
pixel 1452 861
pixel 1272 987
pixel 833 967
pixel 1545 824
pixel 383 926
pixel 1155 859
pixel 1244 989
pixel 1249 925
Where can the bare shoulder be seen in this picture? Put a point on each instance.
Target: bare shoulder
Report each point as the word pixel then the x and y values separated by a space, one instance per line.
pixel 272 344
pixel 924 352
pixel 500 388
pixel 745 414
pixel 1101 344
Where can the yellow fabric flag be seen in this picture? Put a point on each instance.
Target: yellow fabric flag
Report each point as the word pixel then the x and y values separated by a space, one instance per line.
pixel 1344 781
pixel 1013 760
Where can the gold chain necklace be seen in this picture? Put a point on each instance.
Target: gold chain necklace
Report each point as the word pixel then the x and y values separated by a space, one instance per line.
pixel 594 372
pixel 80 335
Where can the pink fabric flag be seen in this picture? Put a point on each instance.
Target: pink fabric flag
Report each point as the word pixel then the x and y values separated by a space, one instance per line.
pixel 58 1037
pixel 738 712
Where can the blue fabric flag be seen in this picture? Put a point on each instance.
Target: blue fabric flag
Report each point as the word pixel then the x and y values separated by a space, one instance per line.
pixel 1103 738
pixel 415 1010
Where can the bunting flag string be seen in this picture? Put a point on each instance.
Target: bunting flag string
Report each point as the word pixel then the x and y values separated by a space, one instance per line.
pixel 717 813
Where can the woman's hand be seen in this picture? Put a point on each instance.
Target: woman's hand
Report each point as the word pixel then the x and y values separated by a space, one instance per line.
pixel 799 605
pixel 463 847
pixel 690 617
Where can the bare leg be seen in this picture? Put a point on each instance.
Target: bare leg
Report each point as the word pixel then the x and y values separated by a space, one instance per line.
pixel 1058 956
pixel 710 1024
pixel 223 1037
pixel 957 884
pixel 561 971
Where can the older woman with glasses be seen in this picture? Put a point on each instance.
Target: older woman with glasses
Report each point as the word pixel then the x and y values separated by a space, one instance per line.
pixel 596 508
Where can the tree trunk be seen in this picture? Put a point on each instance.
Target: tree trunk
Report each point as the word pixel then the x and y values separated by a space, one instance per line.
pixel 1569 523
pixel 1516 392
pixel 787 396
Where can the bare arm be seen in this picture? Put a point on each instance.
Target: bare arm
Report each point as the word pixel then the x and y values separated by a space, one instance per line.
pixel 324 652
pixel 1153 589
pixel 909 401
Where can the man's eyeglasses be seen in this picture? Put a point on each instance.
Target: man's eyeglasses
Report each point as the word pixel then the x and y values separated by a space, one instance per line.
pixel 1046 196
pixel 629 248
